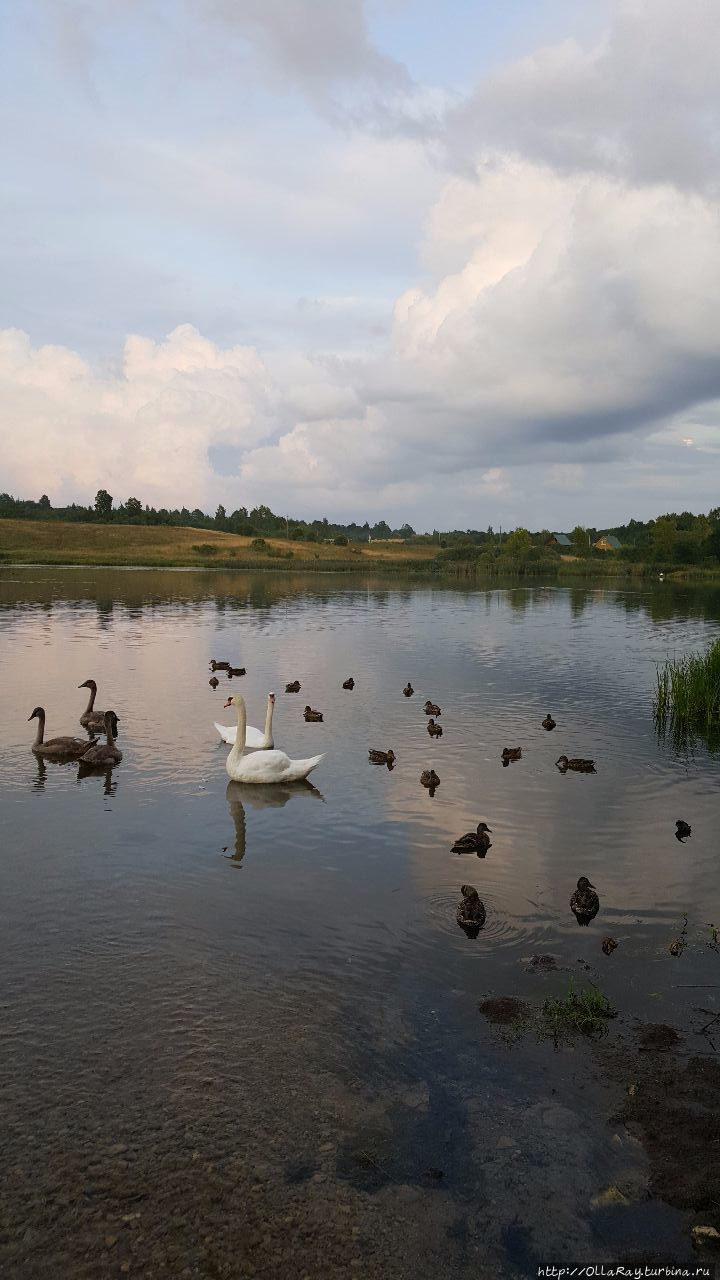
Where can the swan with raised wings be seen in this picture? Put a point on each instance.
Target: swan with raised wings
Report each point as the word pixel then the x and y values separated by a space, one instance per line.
pixel 262 766
pixel 254 739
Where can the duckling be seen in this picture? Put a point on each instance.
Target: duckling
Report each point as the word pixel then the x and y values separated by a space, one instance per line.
pixel 408 690
pixel 608 945
pixel 432 709
pixel 66 748
pixel 584 902
pixel 213 682
pixel 474 841
pixel 349 683
pixel 435 730
pixel 219 666
pixel 104 753
pixel 576 764
pixel 682 829
pixel 382 757
pixel 471 912
pixel 548 722
pixel 312 716
pixel 429 779
pixel 510 753
pixel 293 687
pixel 235 671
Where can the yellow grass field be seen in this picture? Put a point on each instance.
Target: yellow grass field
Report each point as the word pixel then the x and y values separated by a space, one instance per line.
pixel 54 542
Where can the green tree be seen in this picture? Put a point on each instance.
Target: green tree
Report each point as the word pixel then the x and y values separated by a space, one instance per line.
pixel 221 518
pixel 518 543
pixel 103 505
pixel 579 538
pixel 44 502
pixel 134 509
pixel 664 535
pixel 341 540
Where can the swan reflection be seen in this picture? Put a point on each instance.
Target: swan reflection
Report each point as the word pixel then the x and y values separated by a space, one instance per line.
pixel 98 771
pixel 242 794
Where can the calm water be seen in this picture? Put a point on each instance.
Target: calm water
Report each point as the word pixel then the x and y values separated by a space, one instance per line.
pixel 240 1030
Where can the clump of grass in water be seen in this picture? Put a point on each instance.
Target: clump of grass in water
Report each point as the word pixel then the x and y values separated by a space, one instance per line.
pixel 687 697
pixel 578 1013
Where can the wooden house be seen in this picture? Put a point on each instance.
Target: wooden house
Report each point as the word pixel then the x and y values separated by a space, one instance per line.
pixel 559 540
pixel 607 542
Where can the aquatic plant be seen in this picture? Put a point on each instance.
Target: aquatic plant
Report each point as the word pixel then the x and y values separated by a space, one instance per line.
pixel 578 1013
pixel 687 697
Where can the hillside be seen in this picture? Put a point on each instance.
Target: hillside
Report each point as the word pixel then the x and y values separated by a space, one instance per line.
pixel 54 542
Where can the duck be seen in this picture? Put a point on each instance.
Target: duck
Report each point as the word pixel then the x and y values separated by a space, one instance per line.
pixel 511 753
pixel 92 720
pixel 382 757
pixel 254 739
pixel 471 912
pixel 682 829
pixel 219 666
pixel 104 753
pixel 548 722
pixel 432 709
pixel 213 682
pixel 349 683
pixel 312 717
pixel 235 671
pixel 577 764
pixel 429 779
pixel 474 841
pixel 608 945
pixel 262 767
pixel 293 687
pixel 408 690
pixel 435 730
pixel 584 902
pixel 62 748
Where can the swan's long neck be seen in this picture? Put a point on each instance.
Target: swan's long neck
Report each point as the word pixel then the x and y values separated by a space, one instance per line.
pixel 239 747
pixel 91 699
pixel 40 730
pixel 268 718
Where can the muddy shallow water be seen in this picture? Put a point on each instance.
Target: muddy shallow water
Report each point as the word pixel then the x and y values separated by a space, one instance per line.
pixel 240 1027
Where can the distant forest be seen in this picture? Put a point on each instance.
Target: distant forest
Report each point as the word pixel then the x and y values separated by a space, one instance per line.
pixel 683 538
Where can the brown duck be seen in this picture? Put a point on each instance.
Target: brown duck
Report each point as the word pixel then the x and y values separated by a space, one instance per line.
pixel 382 757
pixel 471 912
pixel 235 671
pixel 429 779
pixel 432 709
pixel 213 682
pixel 435 730
pixel 474 841
pixel 219 666
pixel 408 690
pixel 312 716
pixel 548 722
pixel 65 748
pixel 511 753
pixel 576 764
pixel 584 902
pixel 293 687
pixel 349 683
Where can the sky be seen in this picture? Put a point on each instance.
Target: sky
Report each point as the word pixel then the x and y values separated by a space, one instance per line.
pixel 455 265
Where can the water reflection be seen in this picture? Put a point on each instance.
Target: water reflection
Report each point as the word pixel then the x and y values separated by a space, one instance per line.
pixel 105 772
pixel 240 794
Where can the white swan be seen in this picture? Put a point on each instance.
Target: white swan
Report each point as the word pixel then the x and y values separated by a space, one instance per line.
pixel 262 766
pixel 254 739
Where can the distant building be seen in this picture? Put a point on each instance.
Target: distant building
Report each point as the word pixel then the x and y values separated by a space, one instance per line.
pixel 607 542
pixel 558 540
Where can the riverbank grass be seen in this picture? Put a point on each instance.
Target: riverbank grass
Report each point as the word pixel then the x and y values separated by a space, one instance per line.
pixel 687 696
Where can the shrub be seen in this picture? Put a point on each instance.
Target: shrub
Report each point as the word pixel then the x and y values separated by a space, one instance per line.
pixel 205 548
pixel 341 540
pixel 258 544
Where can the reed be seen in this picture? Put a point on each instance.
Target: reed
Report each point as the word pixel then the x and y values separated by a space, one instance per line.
pixel 687 696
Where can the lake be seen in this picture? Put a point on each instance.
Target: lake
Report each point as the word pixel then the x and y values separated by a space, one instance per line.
pixel 240 1029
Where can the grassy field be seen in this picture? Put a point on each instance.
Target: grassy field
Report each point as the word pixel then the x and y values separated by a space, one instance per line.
pixel 53 542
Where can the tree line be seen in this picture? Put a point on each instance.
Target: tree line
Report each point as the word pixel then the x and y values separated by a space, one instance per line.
pixel 679 537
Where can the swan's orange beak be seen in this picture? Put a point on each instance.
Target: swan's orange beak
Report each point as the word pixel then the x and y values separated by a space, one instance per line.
pixel 227 704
